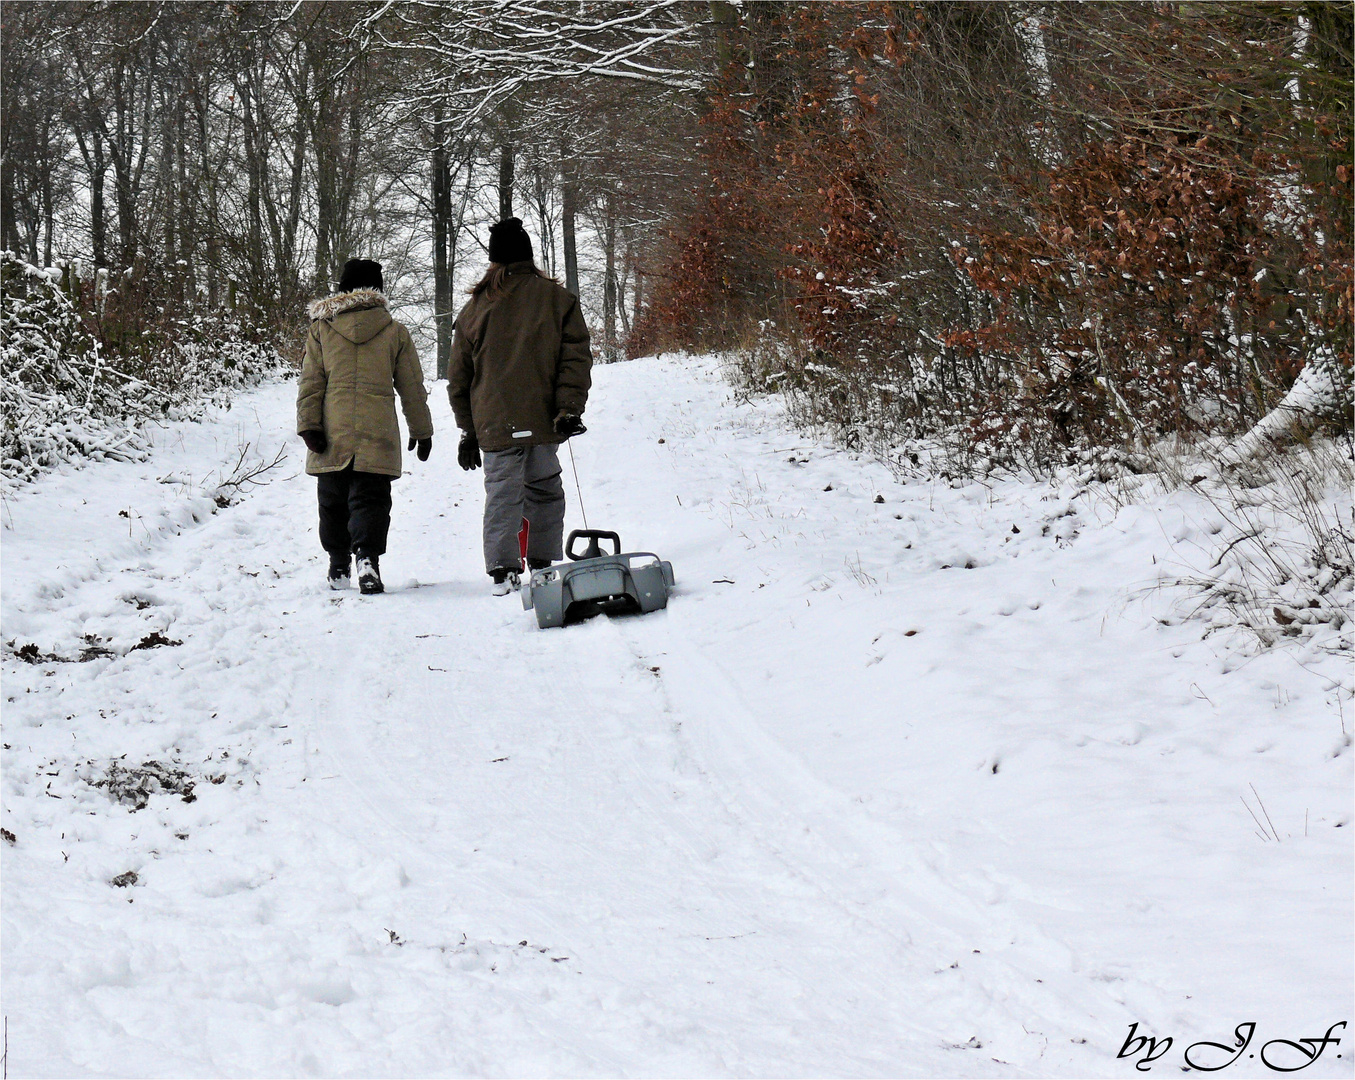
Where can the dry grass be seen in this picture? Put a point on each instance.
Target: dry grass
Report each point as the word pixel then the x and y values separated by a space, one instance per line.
pixel 1281 561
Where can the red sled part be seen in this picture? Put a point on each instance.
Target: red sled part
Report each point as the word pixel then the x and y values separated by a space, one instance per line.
pixel 523 535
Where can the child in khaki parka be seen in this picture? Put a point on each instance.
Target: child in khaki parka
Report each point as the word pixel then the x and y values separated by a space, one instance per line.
pixel 357 359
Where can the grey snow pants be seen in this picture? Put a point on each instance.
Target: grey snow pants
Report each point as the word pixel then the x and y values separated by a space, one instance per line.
pixel 523 482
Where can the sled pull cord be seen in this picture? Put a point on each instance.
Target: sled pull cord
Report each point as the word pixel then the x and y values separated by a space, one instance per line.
pixel 575 470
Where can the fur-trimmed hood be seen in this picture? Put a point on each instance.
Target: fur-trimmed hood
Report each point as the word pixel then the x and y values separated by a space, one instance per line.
pixel 337 304
pixel 358 315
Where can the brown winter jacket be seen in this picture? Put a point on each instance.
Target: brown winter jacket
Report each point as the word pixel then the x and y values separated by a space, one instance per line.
pixel 357 358
pixel 518 360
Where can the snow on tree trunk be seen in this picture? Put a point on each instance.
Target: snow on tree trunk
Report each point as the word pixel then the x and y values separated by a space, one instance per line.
pixel 1322 391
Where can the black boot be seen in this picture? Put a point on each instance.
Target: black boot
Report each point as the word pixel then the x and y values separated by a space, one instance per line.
pixel 369 575
pixel 538 564
pixel 340 571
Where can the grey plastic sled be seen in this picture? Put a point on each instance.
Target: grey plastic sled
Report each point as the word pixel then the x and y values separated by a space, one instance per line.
pixel 592 583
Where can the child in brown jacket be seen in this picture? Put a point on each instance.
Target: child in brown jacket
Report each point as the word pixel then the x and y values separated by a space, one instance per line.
pixel 518 383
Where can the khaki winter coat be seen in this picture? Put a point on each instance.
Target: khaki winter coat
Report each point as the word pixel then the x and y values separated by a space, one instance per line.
pixel 518 360
pixel 357 359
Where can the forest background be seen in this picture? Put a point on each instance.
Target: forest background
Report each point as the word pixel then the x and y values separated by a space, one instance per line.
pixel 1033 234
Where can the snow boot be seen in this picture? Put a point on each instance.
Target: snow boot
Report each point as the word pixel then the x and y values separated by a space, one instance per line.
pixel 369 575
pixel 506 580
pixel 340 571
pixel 538 564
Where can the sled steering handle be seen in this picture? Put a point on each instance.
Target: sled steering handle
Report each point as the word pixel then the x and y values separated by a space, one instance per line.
pixel 592 551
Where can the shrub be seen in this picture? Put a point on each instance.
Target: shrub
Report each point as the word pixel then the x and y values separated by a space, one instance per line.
pixel 66 393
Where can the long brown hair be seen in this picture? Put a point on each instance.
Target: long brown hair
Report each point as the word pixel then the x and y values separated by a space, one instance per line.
pixel 492 283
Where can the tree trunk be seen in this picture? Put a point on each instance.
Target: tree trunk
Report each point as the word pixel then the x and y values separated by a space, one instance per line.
pixel 336 113
pixel 286 255
pixel 9 222
pixel 609 290
pixel 32 217
pixel 128 145
pixel 1327 90
pixel 254 169
pixel 458 220
pixel 639 279
pixel 323 226
pixel 213 217
pixel 568 200
pixel 187 233
pixel 165 179
pixel 98 225
pixel 324 121
pixel 725 18
pixel 506 164
pixel 442 216
pixel 627 268
pixel 324 205
pixel 120 148
pixel 344 238
pixel 542 192
pixel 47 192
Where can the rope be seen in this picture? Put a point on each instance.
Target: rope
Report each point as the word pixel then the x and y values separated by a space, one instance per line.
pixel 577 489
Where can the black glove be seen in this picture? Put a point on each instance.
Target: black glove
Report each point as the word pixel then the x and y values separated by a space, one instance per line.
pixel 468 452
pixel 567 425
pixel 315 441
pixel 425 446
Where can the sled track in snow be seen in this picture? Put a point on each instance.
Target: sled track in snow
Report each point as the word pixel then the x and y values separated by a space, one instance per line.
pixel 762 832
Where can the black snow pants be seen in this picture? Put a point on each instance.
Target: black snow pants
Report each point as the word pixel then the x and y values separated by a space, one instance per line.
pixel 355 512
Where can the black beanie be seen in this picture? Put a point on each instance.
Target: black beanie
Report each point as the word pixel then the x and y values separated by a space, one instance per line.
pixel 361 274
pixel 509 242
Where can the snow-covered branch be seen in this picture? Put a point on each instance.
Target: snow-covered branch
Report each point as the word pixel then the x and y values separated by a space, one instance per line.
pixel 479 54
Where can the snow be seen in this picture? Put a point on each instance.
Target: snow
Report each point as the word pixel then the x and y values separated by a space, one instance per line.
pixel 944 785
pixel 1316 393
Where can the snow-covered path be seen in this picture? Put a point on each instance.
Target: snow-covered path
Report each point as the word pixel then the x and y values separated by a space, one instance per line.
pixel 919 787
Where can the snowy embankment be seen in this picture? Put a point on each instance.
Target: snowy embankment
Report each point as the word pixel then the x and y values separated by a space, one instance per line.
pixel 935 785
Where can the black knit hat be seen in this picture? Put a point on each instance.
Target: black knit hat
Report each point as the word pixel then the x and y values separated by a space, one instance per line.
pixel 509 242
pixel 361 274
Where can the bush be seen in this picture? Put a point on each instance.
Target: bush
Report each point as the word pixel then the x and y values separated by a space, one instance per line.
pixel 1038 235
pixel 67 393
